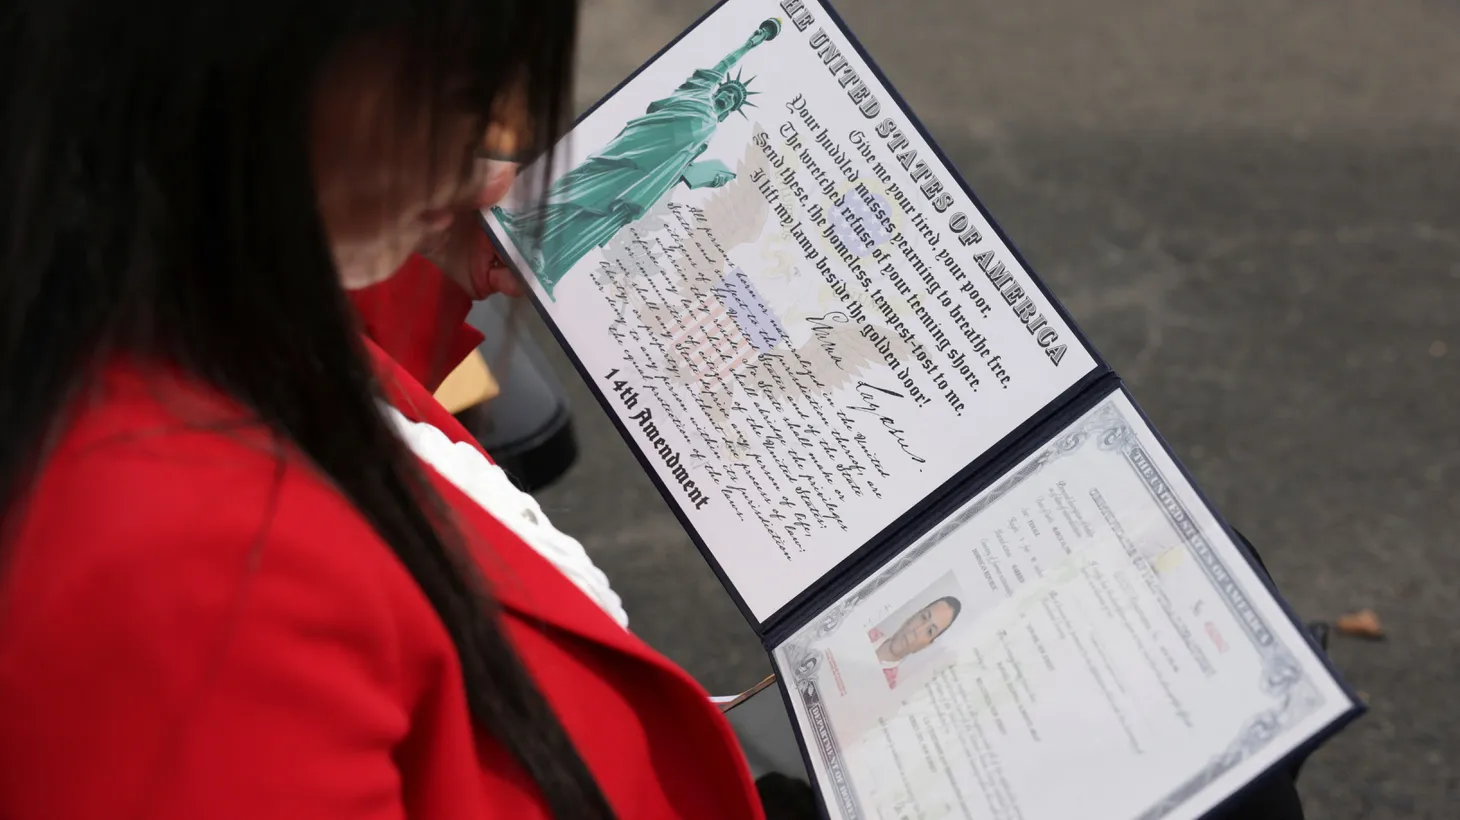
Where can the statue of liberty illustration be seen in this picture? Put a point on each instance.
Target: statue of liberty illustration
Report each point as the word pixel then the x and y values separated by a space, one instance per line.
pixel 619 184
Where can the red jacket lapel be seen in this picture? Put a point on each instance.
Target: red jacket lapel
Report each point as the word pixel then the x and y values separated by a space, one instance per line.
pixel 418 319
pixel 521 580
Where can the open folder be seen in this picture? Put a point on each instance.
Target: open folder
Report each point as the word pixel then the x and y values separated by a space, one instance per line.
pixel 988 587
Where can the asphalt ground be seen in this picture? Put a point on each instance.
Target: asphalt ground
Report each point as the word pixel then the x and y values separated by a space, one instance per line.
pixel 1251 208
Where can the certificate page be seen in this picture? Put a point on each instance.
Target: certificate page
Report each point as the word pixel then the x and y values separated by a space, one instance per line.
pixel 803 321
pixel 1079 640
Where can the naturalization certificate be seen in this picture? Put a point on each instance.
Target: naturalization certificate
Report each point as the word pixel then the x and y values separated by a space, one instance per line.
pixel 1081 633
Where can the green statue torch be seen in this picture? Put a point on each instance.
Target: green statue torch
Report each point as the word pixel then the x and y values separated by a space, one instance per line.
pixel 619 184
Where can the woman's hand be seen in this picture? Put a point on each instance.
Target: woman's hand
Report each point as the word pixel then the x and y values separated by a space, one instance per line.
pixel 457 243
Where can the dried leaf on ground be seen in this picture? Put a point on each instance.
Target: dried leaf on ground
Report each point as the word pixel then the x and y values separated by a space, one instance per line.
pixel 1361 624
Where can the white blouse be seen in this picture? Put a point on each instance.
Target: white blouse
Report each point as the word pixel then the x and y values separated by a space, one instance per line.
pixel 485 483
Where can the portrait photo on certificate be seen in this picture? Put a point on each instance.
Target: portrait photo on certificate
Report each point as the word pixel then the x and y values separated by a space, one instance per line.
pixel 905 642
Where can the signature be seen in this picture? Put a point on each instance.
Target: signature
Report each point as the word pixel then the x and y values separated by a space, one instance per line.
pixel 823 326
pixel 870 395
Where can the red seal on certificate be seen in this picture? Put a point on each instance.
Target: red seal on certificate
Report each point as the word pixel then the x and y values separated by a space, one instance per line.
pixel 874 634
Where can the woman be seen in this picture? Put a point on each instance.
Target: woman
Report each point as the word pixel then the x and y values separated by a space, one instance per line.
pixel 237 577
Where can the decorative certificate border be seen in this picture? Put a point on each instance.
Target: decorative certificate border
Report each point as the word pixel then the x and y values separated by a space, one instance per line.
pixel 1294 695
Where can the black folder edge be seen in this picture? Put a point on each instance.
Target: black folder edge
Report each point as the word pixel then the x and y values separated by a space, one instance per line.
pixel 802 606
pixel 1106 387
pixel 1099 383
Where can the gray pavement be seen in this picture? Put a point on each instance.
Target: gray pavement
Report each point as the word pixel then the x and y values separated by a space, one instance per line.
pixel 1252 207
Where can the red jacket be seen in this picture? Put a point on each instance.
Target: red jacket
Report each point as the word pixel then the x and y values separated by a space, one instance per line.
pixel 188 631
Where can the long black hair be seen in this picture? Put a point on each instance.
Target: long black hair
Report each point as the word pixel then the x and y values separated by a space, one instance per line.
pixel 157 200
